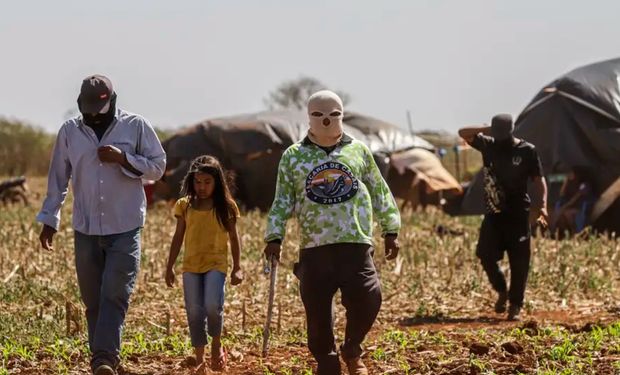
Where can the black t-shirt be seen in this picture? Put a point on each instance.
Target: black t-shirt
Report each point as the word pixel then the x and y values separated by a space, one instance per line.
pixel 507 169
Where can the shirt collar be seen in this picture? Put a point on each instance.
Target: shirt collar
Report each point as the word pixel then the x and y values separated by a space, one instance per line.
pixel 344 140
pixel 80 118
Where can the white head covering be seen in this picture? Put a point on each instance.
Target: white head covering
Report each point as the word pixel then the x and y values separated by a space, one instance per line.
pixel 325 111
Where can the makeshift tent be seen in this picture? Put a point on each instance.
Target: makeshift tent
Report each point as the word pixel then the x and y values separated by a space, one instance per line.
pixel 427 167
pixel 417 176
pixel 251 145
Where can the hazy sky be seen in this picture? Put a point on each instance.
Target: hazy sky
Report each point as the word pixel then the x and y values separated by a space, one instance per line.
pixel 450 63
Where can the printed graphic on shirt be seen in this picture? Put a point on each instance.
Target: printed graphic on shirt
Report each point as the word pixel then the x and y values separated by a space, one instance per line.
pixel 331 183
pixel 494 194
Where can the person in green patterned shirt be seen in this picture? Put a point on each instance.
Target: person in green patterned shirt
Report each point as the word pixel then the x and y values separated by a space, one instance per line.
pixel 332 184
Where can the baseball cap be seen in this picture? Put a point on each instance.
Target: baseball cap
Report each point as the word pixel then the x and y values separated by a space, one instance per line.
pixel 95 93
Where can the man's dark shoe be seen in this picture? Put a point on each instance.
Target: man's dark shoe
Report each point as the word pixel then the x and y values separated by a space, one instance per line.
pixel 514 313
pixel 500 304
pixel 329 366
pixel 104 370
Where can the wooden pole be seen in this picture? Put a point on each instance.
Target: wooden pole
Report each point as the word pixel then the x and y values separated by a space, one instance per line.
pixel 272 292
pixel 243 314
pixel 409 122
pixel 457 163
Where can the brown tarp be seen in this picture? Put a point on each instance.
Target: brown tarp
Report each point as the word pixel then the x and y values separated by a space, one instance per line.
pixel 427 167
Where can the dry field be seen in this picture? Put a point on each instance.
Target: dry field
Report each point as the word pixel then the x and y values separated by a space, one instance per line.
pixel 436 317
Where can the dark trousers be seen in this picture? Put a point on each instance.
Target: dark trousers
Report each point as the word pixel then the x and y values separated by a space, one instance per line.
pixel 510 232
pixel 322 271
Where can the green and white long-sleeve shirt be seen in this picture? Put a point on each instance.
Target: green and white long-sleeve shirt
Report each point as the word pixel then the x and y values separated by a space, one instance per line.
pixel 333 195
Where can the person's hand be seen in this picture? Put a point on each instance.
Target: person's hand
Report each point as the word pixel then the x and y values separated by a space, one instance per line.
pixel 110 154
pixel 170 277
pixel 540 217
pixel 543 218
pixel 272 249
pixel 392 247
pixel 236 276
pixel 46 237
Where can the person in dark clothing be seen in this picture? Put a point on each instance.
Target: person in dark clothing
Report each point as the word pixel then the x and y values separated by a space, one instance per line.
pixel 509 163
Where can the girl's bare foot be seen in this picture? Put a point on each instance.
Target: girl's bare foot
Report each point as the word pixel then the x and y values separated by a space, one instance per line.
pixel 199 358
pixel 201 369
pixel 219 358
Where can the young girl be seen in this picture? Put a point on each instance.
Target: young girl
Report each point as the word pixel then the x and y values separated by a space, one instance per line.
pixel 206 221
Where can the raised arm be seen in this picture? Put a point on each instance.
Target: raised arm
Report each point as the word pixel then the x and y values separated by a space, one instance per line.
pixel 469 134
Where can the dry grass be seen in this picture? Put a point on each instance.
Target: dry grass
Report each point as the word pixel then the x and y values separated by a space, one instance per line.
pixel 435 317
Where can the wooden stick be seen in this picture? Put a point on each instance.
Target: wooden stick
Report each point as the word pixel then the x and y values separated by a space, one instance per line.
pixel 243 315
pixel 168 323
pixel 68 316
pixel 272 292
pixel 606 199
pixel 399 265
pixel 77 319
pixel 6 279
pixel 279 317
pixel 156 325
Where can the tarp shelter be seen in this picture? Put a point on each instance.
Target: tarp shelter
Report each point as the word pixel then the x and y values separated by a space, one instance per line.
pixel 427 167
pixel 573 121
pixel 251 145
pixel 418 177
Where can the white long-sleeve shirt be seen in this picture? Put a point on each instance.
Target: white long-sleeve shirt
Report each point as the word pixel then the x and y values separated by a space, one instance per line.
pixel 108 198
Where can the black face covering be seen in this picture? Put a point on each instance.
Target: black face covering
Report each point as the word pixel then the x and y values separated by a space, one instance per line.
pixel 100 120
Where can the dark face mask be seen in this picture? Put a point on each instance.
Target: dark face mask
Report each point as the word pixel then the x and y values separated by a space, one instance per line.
pixel 100 119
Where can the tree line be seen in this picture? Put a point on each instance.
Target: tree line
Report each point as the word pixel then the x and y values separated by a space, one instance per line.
pixel 24 149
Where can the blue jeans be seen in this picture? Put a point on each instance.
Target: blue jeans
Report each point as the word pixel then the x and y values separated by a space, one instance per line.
pixel 204 303
pixel 107 268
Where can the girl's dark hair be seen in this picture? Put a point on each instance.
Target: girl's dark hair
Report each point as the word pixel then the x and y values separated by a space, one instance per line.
pixel 223 202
